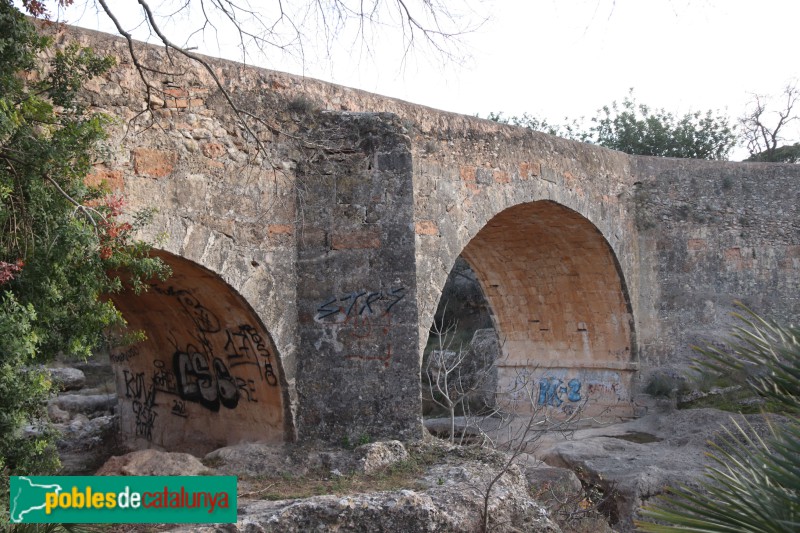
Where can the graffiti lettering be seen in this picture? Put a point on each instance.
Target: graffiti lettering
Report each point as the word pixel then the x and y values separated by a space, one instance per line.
pixel 163 379
pixel 125 356
pixel 205 320
pixel 366 328
pixel 371 298
pixel 550 391
pixel 365 318
pixel 395 295
pixel 574 394
pixel 206 368
pixel 354 297
pixel 247 347
pixel 391 297
pixel 142 404
pixel 208 385
pixel 179 408
pixel 324 310
pixel 145 419
pixel 247 389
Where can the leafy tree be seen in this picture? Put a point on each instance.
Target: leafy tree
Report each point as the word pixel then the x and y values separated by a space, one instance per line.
pixel 788 153
pixel 59 238
pixel 764 129
pixel 636 128
pixel 755 483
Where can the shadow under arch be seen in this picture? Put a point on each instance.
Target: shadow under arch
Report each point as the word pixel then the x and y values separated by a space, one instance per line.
pixel 208 375
pixel 560 306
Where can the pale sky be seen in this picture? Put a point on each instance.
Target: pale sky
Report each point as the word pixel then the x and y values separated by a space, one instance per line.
pixel 556 58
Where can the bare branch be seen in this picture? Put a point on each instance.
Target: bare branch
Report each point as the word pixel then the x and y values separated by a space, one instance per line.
pixel 765 129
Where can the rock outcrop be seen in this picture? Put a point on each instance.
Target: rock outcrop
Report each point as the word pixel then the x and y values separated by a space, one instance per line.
pixel 153 463
pixel 637 460
pixel 67 378
pixel 85 414
pixel 448 496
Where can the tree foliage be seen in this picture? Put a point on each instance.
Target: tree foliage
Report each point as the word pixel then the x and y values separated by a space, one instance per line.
pixel 59 237
pixel 638 129
pixel 755 482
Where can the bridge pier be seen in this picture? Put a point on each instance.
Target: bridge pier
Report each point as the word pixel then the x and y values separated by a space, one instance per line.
pixel 357 360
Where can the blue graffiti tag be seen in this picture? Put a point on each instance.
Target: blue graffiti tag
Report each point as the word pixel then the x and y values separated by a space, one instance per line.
pixel 574 390
pixel 550 391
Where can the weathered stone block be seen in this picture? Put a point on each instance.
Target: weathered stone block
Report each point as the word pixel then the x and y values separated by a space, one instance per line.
pixel 426 227
pixel 153 163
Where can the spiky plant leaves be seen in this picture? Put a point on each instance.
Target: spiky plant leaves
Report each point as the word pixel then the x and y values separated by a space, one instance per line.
pixel 754 485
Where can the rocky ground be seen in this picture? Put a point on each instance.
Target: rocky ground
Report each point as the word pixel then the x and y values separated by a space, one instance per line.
pixel 379 487
pixel 84 412
pixel 594 479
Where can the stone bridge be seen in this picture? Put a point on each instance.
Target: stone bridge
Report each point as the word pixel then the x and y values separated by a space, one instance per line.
pixel 306 276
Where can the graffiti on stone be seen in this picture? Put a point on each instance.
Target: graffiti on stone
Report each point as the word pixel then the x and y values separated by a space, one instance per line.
pixel 204 381
pixel 179 408
pixel 210 365
pixel 125 355
pixel 143 404
pixel 552 391
pixel 365 320
pixel 245 346
pixel 359 303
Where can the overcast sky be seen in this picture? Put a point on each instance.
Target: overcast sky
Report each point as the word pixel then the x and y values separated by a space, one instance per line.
pixel 556 58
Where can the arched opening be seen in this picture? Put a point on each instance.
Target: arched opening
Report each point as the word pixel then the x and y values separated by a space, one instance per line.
pixel 560 308
pixel 207 375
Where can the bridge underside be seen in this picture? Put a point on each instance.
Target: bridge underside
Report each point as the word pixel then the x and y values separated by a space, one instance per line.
pixel 207 374
pixel 560 308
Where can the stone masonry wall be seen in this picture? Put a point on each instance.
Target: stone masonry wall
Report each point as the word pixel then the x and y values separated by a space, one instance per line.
pixel 711 234
pixel 358 366
pixel 361 202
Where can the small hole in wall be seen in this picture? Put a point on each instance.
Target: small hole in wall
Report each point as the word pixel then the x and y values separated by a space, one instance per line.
pixel 254 263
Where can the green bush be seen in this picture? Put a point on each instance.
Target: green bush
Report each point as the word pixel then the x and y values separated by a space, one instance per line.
pixel 59 237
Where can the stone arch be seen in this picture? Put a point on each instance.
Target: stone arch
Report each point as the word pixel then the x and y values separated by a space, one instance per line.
pixel 560 306
pixel 207 375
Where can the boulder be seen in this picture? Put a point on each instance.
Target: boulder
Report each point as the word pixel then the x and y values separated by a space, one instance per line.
pixel 90 405
pixel 67 378
pixel 635 461
pixel 552 485
pixel 153 463
pixel 251 459
pixel 86 443
pixel 56 414
pixel 376 456
pixel 452 503
pixel 449 498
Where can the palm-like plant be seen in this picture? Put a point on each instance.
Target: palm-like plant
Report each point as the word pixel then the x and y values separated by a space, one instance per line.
pixel 754 485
